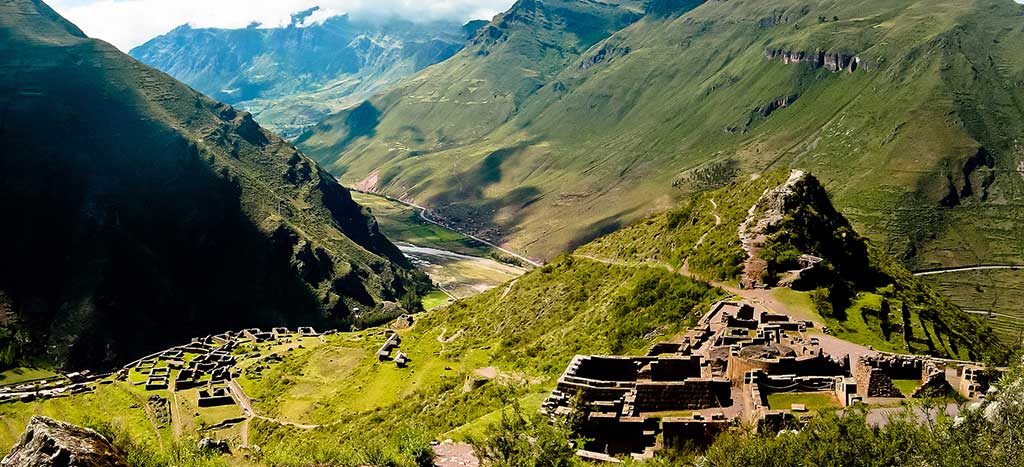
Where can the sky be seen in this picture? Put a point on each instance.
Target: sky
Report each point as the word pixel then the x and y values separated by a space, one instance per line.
pixel 128 23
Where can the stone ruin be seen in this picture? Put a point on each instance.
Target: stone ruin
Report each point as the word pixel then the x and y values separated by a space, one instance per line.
pixel 159 378
pixel 722 370
pixel 933 376
pixel 215 397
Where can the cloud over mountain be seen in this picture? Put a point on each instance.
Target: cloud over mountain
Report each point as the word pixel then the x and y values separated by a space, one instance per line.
pixel 128 23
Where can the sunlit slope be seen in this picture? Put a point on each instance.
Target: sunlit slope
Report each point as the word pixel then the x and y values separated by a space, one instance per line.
pixel 917 142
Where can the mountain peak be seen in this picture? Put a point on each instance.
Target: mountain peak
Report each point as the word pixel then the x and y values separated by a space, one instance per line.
pixel 35 18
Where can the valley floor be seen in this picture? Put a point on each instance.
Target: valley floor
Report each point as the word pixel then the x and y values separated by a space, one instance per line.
pixel 460 266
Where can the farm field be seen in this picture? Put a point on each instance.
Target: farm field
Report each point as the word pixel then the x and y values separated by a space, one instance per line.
pixel 458 265
pixel 994 294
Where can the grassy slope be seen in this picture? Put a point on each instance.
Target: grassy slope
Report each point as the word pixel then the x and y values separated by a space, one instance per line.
pixel 571 306
pixel 166 214
pixel 936 325
pixel 521 335
pixel 524 337
pixel 1000 291
pixel 600 145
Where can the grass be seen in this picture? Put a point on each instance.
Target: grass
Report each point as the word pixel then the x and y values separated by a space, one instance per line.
pixel 906 386
pixel 998 291
pixel 797 302
pixel 435 299
pixel 17 376
pixel 814 401
pixel 402 223
pixel 114 403
pixel 587 149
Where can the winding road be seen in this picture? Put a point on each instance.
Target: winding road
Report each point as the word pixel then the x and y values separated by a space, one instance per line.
pixel 425 217
pixel 989 267
pixel 992 314
pixel 718 222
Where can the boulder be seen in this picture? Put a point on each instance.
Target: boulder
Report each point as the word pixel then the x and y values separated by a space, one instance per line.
pixel 50 443
pixel 210 444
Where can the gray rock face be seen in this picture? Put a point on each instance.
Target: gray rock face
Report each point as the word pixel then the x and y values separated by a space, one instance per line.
pixel 50 443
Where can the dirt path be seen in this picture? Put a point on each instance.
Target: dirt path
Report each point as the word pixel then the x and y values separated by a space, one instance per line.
pixel 718 222
pixel 992 314
pixel 508 289
pixel 246 404
pixel 151 416
pixel 932 272
pixel 441 338
pixel 245 432
pixel 449 454
pixel 175 416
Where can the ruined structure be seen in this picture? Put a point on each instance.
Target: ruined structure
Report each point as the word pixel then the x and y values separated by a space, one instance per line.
pixel 727 368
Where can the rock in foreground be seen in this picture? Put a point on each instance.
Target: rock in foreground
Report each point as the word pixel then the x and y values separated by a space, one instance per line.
pixel 50 443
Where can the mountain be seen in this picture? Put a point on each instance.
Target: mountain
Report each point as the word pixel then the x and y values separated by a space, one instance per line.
pixel 541 137
pixel 759 231
pixel 292 77
pixel 335 401
pixel 138 212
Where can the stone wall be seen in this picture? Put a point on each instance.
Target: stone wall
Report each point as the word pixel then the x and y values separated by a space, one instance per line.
pixel 675 369
pixel 819 365
pixel 873 382
pixel 688 395
pixel 934 383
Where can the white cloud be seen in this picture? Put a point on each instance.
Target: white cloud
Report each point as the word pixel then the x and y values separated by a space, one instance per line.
pixel 128 23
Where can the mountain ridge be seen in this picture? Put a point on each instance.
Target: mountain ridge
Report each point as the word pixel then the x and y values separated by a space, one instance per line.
pixel 171 214
pixel 725 89
pixel 292 77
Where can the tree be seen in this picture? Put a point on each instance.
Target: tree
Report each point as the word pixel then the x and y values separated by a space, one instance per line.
pixel 525 441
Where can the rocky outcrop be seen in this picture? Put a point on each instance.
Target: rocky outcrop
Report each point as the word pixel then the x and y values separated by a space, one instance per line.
pixel 768 211
pixel 834 61
pixel 767 109
pixel 606 53
pixel 50 443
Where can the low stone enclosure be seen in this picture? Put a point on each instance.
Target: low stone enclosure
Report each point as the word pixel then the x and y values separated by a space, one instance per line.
pixel 205 362
pixel 727 369
pixel 392 342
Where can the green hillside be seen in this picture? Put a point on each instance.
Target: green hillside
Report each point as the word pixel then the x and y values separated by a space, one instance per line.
pixel 915 137
pixel 334 402
pixel 862 293
pixel 138 213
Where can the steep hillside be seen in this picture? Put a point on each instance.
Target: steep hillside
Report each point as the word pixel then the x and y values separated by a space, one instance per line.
pixel 860 291
pixel 293 77
pixel 138 212
pixel 332 400
pixel 908 110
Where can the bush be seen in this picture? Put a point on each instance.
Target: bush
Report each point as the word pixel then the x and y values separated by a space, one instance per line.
pixel 521 441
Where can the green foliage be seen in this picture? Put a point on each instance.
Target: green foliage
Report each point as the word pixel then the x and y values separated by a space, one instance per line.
pixel 400 447
pixel 822 301
pixel 182 453
pixel 575 305
pixel 653 294
pixel 920 435
pixel 597 134
pixel 521 440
